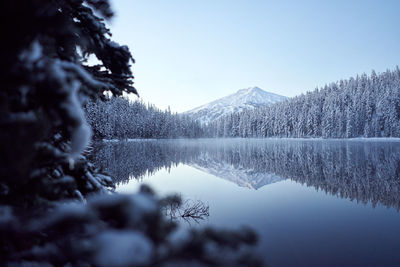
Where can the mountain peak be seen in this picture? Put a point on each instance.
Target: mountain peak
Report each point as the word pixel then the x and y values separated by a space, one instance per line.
pixel 243 99
pixel 251 89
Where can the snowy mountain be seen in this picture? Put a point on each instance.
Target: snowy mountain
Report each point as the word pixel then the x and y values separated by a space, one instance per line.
pixel 243 99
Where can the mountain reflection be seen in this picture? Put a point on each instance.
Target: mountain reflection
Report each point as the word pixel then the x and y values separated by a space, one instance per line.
pixel 361 171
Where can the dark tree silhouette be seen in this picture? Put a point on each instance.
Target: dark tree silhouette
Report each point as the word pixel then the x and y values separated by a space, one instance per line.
pixel 45 77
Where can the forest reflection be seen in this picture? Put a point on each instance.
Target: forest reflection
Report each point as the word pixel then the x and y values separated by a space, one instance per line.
pixel 364 171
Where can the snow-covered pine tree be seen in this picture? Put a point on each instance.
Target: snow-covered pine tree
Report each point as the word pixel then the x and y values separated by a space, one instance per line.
pixel 45 76
pixel 121 118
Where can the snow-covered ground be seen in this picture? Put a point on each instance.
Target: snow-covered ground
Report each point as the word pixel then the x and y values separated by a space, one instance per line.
pixel 369 139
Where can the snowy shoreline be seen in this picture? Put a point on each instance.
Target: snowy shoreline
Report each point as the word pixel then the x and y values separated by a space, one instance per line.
pixel 369 139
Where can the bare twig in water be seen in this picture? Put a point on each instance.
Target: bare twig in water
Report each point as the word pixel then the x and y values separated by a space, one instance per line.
pixel 189 210
pixel 195 210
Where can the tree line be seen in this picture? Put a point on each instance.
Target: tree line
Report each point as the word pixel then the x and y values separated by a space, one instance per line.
pixel 365 106
pixel 121 118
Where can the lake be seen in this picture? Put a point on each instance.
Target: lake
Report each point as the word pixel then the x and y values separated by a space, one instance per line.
pixel 312 202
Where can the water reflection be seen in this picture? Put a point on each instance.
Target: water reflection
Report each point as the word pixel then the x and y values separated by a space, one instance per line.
pixel 356 170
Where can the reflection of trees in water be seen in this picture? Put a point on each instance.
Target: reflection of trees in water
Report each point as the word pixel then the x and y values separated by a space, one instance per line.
pixel 362 171
pixel 138 159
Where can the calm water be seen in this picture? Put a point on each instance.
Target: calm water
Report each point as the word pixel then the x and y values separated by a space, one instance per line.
pixel 312 202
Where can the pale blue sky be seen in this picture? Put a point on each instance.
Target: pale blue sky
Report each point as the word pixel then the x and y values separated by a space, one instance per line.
pixel 191 52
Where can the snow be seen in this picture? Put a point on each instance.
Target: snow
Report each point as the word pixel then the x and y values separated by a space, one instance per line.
pixel 93 181
pixel 65 212
pixel 111 140
pixel 130 140
pixel 114 44
pixel 136 206
pixel 123 248
pixel 32 54
pixel 84 76
pixel 79 195
pixel 356 139
pixel 248 98
pixel 82 134
pixel 376 139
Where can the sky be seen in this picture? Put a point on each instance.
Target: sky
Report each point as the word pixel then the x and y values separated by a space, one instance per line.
pixel 189 53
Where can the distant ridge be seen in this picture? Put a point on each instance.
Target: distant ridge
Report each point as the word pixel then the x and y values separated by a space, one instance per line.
pixel 248 98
